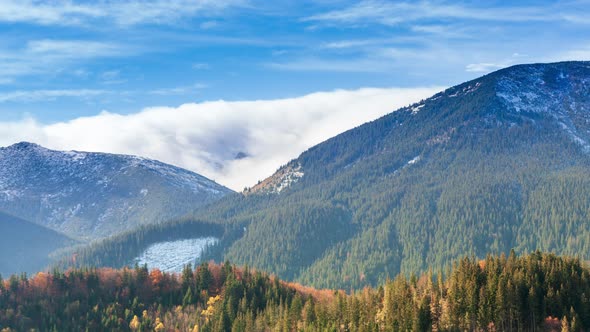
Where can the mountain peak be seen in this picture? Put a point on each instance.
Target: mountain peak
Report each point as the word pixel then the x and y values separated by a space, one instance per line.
pixel 24 146
pixel 520 95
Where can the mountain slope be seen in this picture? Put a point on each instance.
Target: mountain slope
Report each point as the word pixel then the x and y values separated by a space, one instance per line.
pixel 497 163
pixel 92 195
pixel 490 165
pixel 25 246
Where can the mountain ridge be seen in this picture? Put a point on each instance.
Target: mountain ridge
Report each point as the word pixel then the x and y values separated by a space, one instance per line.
pixel 91 195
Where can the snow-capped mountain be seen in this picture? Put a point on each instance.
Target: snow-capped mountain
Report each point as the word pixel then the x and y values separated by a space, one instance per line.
pixel 92 195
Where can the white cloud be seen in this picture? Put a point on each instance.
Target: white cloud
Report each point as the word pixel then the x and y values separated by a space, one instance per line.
pixel 206 137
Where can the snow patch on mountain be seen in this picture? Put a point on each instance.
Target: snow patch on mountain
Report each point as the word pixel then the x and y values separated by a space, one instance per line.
pixel 172 256
pixel 290 178
pixel 416 109
pixel 414 160
pixel 461 91
pixel 549 91
pixel 284 178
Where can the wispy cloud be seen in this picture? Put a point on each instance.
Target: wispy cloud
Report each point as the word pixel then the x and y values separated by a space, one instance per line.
pixel 208 25
pixel 45 95
pixel 579 19
pixel 57 12
pixel 121 12
pixel 369 56
pixel 352 65
pixel 489 66
pixel 445 31
pixel 394 13
pixel 74 48
pixel 356 43
pixel 201 66
pixel 111 77
pixel 179 90
pixel 483 67
pixel 573 54
pixel 48 55
pixel 206 137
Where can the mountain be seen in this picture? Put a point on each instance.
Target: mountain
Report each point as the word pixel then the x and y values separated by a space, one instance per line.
pixel 92 195
pixel 490 165
pixel 25 246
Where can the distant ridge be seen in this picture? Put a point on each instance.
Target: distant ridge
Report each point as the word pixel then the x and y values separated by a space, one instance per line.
pixel 91 195
pixel 25 246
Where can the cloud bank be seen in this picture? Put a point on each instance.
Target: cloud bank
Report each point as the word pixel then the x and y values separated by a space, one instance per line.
pixel 208 137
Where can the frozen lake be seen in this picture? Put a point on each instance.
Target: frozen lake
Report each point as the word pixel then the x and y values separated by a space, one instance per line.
pixel 171 256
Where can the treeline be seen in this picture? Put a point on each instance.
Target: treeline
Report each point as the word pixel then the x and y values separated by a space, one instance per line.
pixel 533 292
pixel 120 250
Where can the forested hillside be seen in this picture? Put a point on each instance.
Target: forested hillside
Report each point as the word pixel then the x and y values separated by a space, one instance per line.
pixel 26 246
pixel 533 292
pixel 491 165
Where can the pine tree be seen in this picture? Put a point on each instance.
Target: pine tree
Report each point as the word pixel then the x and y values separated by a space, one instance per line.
pixel 188 297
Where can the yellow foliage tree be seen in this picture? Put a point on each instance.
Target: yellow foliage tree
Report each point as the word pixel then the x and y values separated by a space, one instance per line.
pixel 159 326
pixel 134 325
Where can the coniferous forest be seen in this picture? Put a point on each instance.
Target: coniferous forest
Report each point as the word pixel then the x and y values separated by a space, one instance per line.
pixel 500 293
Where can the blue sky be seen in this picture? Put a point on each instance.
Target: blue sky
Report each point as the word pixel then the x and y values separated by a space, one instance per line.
pixel 202 80
pixel 61 60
